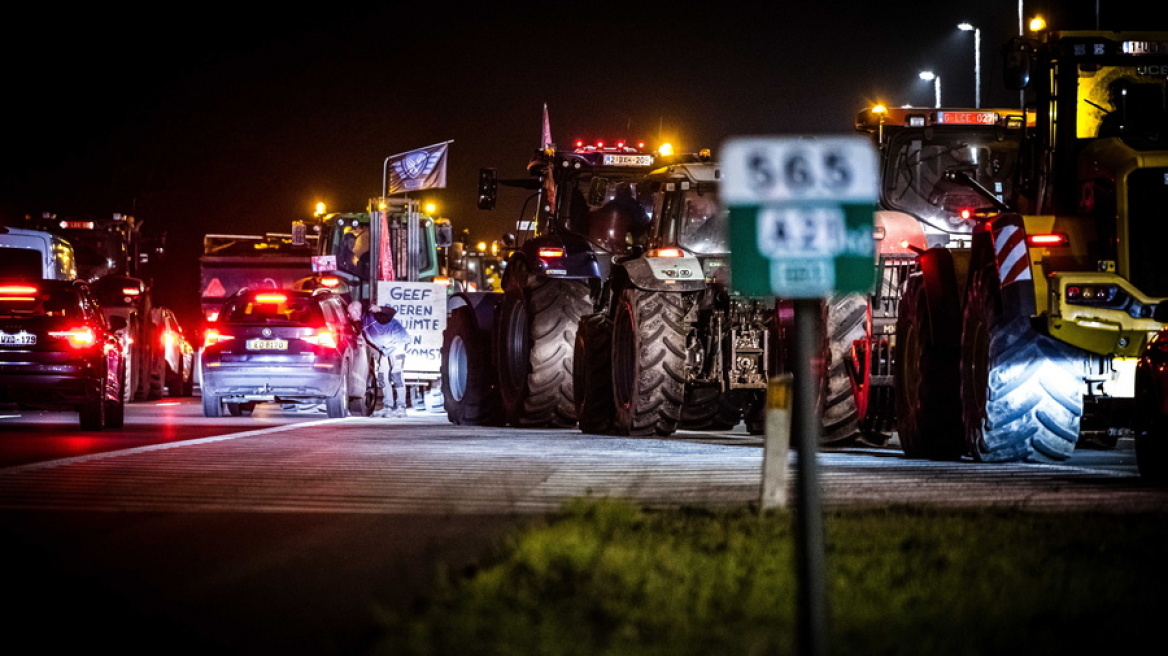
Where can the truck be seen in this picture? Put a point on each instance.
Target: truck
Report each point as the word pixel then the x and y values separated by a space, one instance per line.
pixel 33 254
pixel 114 256
pixel 508 354
pixel 1034 332
pixel 231 262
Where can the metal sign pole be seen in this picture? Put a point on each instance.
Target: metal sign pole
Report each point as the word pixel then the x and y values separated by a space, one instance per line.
pixel 810 560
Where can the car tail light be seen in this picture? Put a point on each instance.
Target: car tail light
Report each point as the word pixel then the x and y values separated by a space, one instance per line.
pixel 330 281
pixel 271 298
pixel 212 336
pixel 323 337
pixel 168 338
pixel 551 252
pixel 666 252
pixel 81 337
pixel 131 291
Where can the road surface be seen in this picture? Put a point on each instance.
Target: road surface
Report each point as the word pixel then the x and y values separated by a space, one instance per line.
pixel 287 532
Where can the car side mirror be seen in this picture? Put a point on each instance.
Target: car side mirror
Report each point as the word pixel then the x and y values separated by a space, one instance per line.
pixel 117 323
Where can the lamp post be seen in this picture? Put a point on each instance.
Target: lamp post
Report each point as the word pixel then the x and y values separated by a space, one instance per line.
pixel 930 75
pixel 966 27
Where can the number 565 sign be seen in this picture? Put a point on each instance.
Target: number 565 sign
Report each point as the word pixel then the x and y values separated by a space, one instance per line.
pixel 801 212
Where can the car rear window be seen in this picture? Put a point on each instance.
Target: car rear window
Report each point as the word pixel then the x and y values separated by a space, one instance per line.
pixel 18 300
pixel 274 307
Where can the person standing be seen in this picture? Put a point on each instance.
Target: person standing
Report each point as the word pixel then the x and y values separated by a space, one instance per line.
pixel 389 337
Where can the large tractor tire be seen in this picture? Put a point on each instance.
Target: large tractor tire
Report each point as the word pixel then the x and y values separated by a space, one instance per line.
pixel 845 322
pixel 927 380
pixel 1021 391
pixel 707 407
pixel 592 374
pixel 470 393
pixel 535 341
pixel 648 361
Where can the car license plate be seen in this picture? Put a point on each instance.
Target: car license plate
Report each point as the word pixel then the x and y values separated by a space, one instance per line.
pixel 21 338
pixel 267 344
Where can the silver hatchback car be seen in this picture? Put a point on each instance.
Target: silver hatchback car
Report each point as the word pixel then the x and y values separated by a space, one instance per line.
pixel 282 346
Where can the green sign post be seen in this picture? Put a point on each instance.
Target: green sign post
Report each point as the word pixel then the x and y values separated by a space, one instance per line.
pixel 801 224
pixel 801 214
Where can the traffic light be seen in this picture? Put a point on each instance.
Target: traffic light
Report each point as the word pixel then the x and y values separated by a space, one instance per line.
pixel 488 188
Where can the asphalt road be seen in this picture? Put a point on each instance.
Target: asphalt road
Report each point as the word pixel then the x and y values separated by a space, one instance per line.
pixel 292 535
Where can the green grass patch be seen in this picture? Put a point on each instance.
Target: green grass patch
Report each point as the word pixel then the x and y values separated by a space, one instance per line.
pixel 608 577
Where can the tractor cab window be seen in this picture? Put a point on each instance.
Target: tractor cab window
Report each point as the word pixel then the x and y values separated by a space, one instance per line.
pixel 925 169
pixel 1119 101
pixel 705 224
pixel 615 216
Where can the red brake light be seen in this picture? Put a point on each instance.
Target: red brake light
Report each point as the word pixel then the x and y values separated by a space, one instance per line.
pixel 667 252
pixel 1052 240
pixel 17 289
pixel 213 336
pixel 81 337
pixel 271 298
pixel 330 281
pixel 966 214
pixel 551 252
pixel 168 338
pixel 323 337
pixel 131 291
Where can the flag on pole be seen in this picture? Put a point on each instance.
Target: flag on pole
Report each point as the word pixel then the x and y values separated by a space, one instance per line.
pixel 424 168
pixel 546 136
pixel 546 145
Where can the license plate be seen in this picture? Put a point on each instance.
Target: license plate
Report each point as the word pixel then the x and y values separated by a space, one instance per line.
pixel 19 339
pixel 628 160
pixel 267 344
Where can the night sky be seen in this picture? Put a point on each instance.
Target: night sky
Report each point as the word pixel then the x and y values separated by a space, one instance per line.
pixel 213 118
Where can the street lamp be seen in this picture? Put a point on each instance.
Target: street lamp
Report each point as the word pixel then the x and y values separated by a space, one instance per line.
pixel 966 27
pixel 930 75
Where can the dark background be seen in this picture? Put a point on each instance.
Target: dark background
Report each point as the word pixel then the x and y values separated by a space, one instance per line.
pixel 217 118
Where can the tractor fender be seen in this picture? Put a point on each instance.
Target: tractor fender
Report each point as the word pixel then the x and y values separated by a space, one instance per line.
pixel 665 274
pixel 573 257
pixel 485 304
pixel 1012 260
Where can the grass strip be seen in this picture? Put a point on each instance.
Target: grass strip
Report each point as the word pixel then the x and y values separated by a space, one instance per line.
pixel 608 577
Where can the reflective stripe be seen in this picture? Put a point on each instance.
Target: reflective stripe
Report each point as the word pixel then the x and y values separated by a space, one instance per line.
pixel 1011 254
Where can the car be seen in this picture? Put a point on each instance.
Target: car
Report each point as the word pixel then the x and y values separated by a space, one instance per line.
pixel 178 353
pixel 290 347
pixel 58 352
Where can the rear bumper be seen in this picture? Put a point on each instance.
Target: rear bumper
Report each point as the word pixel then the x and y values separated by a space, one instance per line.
pixel 271 382
pixel 36 387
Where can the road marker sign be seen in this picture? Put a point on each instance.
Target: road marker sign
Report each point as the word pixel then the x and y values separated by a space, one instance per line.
pixel 801 214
